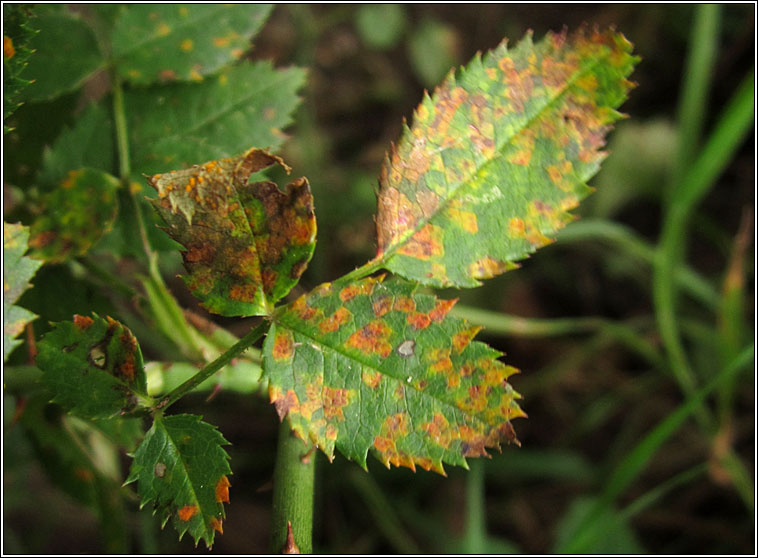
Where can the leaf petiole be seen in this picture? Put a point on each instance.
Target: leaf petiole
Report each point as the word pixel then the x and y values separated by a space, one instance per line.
pixel 235 350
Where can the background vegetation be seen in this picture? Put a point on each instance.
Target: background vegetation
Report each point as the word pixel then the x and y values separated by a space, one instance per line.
pixel 617 327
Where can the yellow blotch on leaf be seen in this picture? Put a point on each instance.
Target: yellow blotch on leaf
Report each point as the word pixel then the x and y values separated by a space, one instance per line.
pixel 163 30
pixel 187 45
pixel 465 219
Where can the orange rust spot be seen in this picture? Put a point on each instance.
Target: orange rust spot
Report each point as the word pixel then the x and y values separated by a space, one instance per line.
pixel 425 244
pixel 188 188
pixel 440 310
pixel 127 369
pixel 516 228
pixel 303 310
pixel 463 338
pixel 355 289
pixel 404 304
pixel 417 320
pixel 221 42
pixel 372 339
pixel 335 321
pixel 439 430
pixel 222 490
pixel 554 173
pixel 371 379
pixel 186 512
pixel 187 45
pixel 382 306
pixel 8 49
pixel 217 525
pixel 243 293
pixel 203 254
pixel 283 345
pixel 334 400
pixel 82 322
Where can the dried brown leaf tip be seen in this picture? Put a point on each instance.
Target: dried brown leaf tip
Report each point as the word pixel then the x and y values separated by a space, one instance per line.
pixel 245 243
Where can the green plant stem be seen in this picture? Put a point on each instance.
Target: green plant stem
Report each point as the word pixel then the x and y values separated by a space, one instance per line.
pixel 717 153
pixel 475 538
pixel 293 492
pixel 176 394
pixel 697 77
pixel 363 271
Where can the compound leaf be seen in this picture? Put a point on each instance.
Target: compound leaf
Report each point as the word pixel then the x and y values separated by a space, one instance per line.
pixel 176 125
pixel 376 366
pixel 182 468
pixel 66 53
pixel 17 271
pixel 246 244
pixel 153 42
pixel 93 366
pixel 74 215
pixel 498 155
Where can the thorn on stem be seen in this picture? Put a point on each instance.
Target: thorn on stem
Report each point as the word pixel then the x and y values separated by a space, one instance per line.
pixel 289 546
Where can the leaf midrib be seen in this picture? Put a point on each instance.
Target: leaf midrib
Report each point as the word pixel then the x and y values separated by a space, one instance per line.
pixel 423 221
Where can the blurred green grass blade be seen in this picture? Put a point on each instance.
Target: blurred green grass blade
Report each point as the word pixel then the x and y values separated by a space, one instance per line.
pixel 624 238
pixel 719 150
pixel 692 109
pixel 383 512
pixel 507 324
pixel 633 464
pixel 636 460
pixel 650 497
pixel 732 324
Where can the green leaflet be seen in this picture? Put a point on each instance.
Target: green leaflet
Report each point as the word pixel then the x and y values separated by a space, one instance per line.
pixel 498 155
pixel 246 244
pixel 17 271
pixel 181 467
pixel 65 55
pixel 93 367
pixel 176 125
pixel 88 143
pixel 75 215
pixel 168 42
pixel 374 365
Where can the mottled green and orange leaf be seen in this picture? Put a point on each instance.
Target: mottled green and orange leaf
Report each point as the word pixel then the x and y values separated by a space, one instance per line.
pixel 498 155
pixel 182 468
pixel 73 216
pixel 93 366
pixel 400 377
pixel 245 244
pixel 17 271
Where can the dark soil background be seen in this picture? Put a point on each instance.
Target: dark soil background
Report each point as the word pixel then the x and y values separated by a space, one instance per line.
pixel 353 107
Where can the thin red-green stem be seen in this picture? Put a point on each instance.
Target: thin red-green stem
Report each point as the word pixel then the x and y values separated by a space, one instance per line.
pixel 235 350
